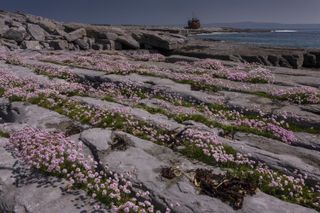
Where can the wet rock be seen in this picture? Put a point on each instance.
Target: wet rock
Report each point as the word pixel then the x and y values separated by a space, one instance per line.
pixel 311 60
pixel 295 61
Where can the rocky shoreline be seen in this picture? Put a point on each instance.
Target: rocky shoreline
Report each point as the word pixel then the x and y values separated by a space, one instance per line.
pixel 26 31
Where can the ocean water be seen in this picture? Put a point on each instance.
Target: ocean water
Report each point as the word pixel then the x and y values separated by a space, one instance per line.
pixel 306 38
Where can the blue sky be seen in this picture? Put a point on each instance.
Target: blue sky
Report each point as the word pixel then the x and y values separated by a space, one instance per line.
pixel 170 11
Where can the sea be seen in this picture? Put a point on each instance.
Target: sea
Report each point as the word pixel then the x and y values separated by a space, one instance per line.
pixel 301 38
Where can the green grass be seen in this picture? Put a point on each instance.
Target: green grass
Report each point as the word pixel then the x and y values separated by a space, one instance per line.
pixel 193 152
pixel 108 98
pixel 1 92
pixel 4 134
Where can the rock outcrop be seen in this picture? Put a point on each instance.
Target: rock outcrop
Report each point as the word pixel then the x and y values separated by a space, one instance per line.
pixel 18 30
pixel 269 56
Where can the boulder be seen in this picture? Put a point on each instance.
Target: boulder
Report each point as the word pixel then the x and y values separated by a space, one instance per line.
pixel 75 35
pixel 3 27
pixel 36 32
pixel 83 43
pixel 105 44
pixel 97 46
pixel 104 32
pixel 9 43
pixel 47 24
pixel 274 60
pixel 128 42
pixel 162 41
pixel 31 45
pixel 295 61
pixel 311 60
pixel 5 111
pixel 59 44
pixel 16 34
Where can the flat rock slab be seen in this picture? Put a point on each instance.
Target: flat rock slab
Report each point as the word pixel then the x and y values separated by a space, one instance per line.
pixel 144 160
pixel 278 158
pixel 263 203
pixel 99 139
pixel 38 117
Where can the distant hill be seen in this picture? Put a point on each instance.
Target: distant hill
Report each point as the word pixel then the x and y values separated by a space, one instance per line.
pixel 257 25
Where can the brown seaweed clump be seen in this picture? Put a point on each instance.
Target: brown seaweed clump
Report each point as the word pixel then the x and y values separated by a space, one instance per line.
pixel 231 190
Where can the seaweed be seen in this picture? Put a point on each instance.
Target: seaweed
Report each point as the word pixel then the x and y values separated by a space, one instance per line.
pixel 227 188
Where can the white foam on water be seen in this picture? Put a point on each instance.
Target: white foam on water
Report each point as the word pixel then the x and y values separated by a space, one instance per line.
pixel 284 31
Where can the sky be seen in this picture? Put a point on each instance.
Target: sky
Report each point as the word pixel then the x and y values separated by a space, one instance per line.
pixel 170 12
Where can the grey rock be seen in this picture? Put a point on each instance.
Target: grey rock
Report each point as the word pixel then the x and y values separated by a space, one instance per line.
pixel 7 193
pixel 162 41
pixel 75 35
pixel 11 44
pixel 15 34
pixel 103 32
pixel 3 27
pixel 97 139
pixel 31 45
pixel 31 115
pixel 306 140
pixel 178 58
pixel 153 158
pixel 47 24
pixel 6 114
pixel 83 43
pixel 97 46
pixel 36 32
pixel 277 154
pixel 263 203
pixel 128 42
pixel 295 61
pixel 59 44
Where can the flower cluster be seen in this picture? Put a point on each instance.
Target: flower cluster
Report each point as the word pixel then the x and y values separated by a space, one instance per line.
pixel 55 154
pixel 298 95
pixel 279 132
pixel 52 95
pixel 144 56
